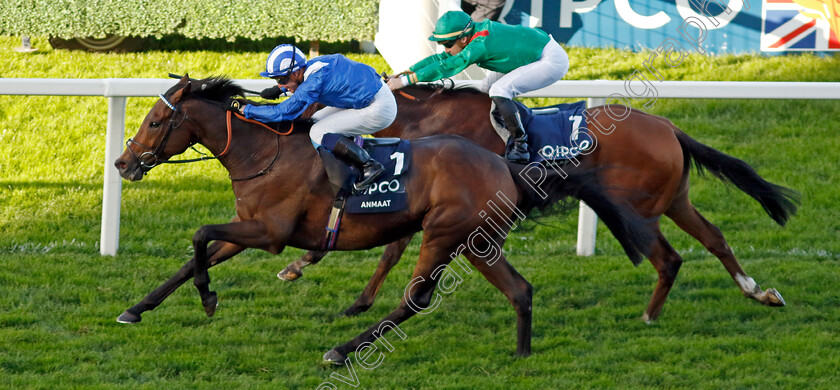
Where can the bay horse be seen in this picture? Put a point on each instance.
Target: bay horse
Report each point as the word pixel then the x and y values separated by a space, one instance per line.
pixel 658 154
pixel 283 198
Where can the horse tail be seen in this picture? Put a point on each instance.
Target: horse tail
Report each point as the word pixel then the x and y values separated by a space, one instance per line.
pixel 779 202
pixel 541 187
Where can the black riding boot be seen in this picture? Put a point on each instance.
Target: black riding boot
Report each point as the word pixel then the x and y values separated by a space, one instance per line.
pixel 517 149
pixel 348 151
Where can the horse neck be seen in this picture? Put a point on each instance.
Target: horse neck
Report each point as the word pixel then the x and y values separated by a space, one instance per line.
pixel 251 147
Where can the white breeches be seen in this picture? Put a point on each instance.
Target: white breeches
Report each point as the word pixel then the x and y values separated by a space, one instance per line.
pixel 549 68
pixel 348 121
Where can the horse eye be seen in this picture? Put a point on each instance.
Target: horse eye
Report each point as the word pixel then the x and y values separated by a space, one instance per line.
pixel 154 124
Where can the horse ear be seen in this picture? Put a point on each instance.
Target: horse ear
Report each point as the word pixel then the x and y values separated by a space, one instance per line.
pixel 179 94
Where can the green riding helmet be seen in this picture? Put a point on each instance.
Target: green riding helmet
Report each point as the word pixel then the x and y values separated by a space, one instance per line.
pixel 452 25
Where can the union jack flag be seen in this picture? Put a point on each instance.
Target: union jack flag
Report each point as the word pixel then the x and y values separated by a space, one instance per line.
pixel 800 25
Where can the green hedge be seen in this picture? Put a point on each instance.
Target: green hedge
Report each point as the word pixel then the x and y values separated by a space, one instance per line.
pixel 328 20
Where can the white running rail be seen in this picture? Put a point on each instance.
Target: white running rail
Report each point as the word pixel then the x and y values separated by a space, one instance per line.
pixel 597 91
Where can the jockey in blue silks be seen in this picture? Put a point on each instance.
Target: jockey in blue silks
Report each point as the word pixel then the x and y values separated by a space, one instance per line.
pixel 358 102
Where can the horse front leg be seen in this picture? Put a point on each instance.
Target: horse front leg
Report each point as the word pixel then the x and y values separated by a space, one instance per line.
pixel 218 252
pixel 294 270
pixel 249 234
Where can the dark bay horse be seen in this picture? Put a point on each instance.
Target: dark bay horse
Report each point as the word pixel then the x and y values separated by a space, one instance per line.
pixel 283 199
pixel 650 154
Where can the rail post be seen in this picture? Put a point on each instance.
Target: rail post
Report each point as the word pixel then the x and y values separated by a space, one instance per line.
pixel 109 235
pixel 587 219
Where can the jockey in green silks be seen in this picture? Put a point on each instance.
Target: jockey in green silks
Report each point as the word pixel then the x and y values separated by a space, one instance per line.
pixel 520 59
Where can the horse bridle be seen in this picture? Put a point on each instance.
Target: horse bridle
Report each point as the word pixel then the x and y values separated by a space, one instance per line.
pixel 149 159
pixel 153 152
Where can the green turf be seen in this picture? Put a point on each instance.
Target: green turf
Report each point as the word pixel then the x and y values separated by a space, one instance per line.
pixel 59 298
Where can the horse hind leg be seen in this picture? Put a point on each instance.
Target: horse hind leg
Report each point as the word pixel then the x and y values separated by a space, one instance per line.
pixel 518 291
pixel 294 270
pixel 417 298
pixel 692 222
pixel 667 263
pixel 391 256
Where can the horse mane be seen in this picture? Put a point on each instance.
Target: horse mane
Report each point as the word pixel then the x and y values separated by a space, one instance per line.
pixel 217 88
pixel 214 88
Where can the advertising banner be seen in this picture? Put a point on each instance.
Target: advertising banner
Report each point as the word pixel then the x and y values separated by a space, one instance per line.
pixel 712 26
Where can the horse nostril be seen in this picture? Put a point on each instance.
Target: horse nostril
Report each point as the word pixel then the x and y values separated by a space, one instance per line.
pixel 120 164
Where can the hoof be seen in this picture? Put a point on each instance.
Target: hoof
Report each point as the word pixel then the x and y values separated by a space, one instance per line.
pixel 128 318
pixel 774 298
pixel 289 275
pixel 334 357
pixel 354 310
pixel 210 303
pixel 646 318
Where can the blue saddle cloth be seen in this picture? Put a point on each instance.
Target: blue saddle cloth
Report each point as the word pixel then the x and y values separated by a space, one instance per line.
pixel 387 194
pixel 557 132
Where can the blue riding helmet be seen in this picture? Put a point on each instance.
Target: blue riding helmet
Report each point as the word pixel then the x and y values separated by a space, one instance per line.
pixel 283 60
